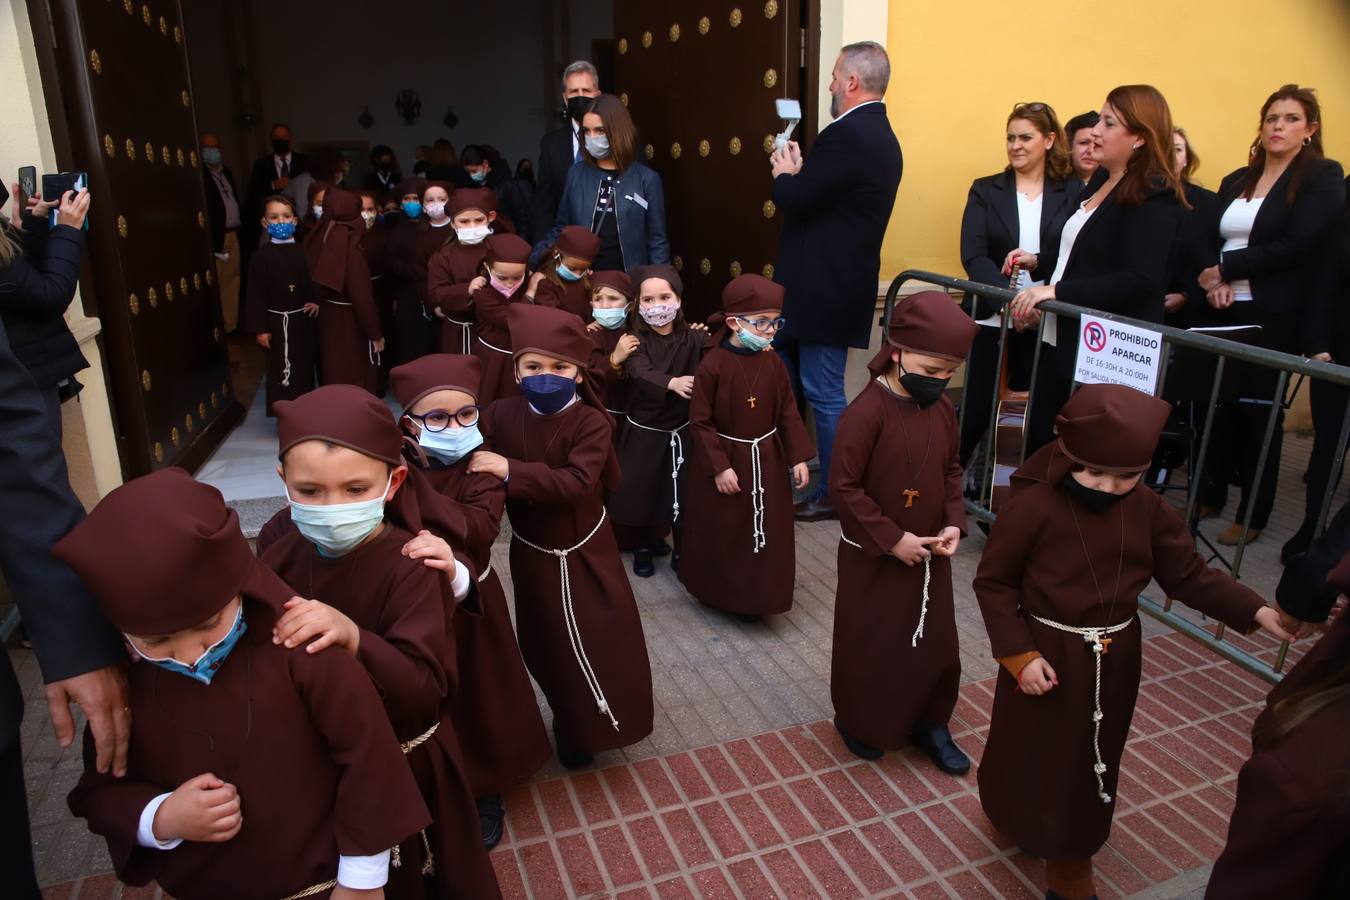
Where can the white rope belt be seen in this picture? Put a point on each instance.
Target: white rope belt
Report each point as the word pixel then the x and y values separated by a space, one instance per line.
pixel 676 460
pixel 465 342
pixel 396 858
pixel 756 486
pixel 487 570
pixel 1093 637
pixel 569 616
pixel 338 302
pixel 285 342
pixel 491 347
pixel 372 354
pixel 927 578
pixel 616 413
pixel 312 890
pixel 409 746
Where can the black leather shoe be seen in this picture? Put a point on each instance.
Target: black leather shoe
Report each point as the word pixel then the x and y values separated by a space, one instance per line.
pixel 816 509
pixel 748 618
pixel 573 758
pixel 643 567
pixel 491 815
pixel 857 747
pixel 937 745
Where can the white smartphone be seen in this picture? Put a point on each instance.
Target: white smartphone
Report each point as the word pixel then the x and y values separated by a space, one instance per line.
pixel 790 111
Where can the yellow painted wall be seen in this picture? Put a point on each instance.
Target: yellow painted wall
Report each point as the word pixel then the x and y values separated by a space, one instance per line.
pixel 958 67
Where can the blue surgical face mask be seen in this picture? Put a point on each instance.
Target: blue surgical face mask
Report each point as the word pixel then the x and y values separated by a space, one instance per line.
pixel 548 393
pixel 282 231
pixel 452 444
pixel 412 208
pixel 611 317
pixel 478 177
pixel 567 274
pixel 206 666
pixel 337 528
pixel 750 339
pixel 211 156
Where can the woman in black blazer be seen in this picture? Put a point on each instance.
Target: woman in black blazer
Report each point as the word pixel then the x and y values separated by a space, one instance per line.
pixel 1184 304
pixel 1265 239
pixel 1116 245
pixel 1015 215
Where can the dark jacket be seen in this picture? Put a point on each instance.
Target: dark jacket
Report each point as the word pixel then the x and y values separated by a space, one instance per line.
pixel 1328 321
pixel 555 159
pixel 835 213
pixel 38 508
pixel 642 230
pixel 1185 263
pixel 514 199
pixel 263 174
pixel 1283 254
pixel 35 290
pixel 215 207
pixel 990 229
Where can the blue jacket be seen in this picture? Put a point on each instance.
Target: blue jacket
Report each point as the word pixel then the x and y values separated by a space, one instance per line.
pixel 642 231
pixel 835 212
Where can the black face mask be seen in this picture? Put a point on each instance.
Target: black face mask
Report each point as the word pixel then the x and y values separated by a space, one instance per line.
pixel 924 389
pixel 578 106
pixel 1095 500
pixel 281 147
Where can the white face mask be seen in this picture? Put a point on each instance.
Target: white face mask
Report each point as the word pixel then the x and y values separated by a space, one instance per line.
pixel 337 528
pixel 318 211
pixel 369 216
pixel 435 208
pixel 471 236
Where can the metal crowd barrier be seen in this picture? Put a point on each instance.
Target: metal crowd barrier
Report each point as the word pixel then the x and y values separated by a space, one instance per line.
pixel 992 300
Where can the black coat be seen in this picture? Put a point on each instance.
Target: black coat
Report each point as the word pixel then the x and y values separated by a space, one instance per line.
pixel 555 158
pixel 1283 254
pixel 38 508
pixel 261 178
pixel 835 213
pixel 1328 321
pixel 990 228
pixel 215 207
pixel 35 290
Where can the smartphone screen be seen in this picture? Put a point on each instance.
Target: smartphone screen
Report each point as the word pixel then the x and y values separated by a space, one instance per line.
pixel 27 182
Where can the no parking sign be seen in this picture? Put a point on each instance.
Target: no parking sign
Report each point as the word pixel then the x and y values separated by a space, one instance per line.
pixel 1113 353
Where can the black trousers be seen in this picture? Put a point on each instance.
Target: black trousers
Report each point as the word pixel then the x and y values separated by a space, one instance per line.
pixel 982 378
pixel 16 841
pixel 1329 404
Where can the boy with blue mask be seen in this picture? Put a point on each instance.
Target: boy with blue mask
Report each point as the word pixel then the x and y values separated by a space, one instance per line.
pixel 496 714
pixel 576 618
pixel 412 331
pixel 563 277
pixel 280 308
pixel 208 806
pixel 384 596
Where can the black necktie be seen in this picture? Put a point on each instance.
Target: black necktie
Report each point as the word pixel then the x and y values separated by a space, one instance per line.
pixel 286 168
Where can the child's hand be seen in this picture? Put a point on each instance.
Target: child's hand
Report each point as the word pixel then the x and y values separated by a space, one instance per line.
pixel 592 326
pixel 438 312
pixel 801 475
pixel 1269 619
pixel 912 549
pixel 683 385
pixel 627 345
pixel 377 346
pixel 479 282
pixel 306 619
pixel 727 482
pixel 948 539
pixel 492 463
pixel 534 283
pixel 1037 678
pixel 203 809
pixel 347 893
pixel 433 551
pixel 312 310
pixel 264 340
pixel 698 326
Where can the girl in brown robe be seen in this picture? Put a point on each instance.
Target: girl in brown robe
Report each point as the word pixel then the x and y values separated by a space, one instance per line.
pixel 434 231
pixel 252 771
pixel 378 601
pixel 411 325
pixel 455 271
pixel 1058 586
pixel 508 277
pixel 612 298
pixel 495 712
pixel 350 335
pixel 576 618
pixel 895 479
pixel 563 279
pixel 280 307
pixel 739 554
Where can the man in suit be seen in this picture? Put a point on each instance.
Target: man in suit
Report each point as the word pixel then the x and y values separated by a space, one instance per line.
pixel 81 656
pixel 561 148
pixel 836 204
pixel 270 175
pixel 224 218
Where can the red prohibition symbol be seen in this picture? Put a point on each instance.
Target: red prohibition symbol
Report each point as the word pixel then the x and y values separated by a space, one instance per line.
pixel 1094 335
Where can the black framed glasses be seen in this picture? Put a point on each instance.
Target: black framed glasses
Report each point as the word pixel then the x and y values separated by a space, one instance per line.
pixel 438 420
pixel 763 325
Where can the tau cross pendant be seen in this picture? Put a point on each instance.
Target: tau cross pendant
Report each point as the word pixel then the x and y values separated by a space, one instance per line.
pixel 1106 645
pixel 291 287
pixel 751 400
pixel 910 494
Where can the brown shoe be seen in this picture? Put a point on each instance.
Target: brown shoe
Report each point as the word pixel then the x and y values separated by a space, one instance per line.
pixel 1230 536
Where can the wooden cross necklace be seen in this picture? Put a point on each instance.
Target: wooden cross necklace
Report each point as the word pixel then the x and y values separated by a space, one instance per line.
pixel 912 494
pixel 750 398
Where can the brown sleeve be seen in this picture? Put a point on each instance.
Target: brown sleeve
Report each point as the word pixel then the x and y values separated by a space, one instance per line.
pixel 362 297
pixel 113 807
pixel 701 424
pixel 578 478
pixel 998 579
pixel 255 301
pixel 1017 662
pixel 491 306
pixel 482 501
pixel 443 291
pixel 547 294
pixel 861 518
pixel 1184 575
pixel 954 506
pixel 644 376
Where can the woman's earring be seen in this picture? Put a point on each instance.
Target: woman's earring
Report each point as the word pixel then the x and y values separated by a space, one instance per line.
pixel 1307 140
pixel 1137 146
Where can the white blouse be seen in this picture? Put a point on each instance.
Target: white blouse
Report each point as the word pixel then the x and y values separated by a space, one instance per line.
pixel 1067 238
pixel 1028 239
pixel 1236 230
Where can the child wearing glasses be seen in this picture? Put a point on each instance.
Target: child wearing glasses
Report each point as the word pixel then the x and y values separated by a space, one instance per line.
pixel 746 433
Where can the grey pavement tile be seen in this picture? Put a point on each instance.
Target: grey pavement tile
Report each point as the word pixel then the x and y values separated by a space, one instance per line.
pixel 691 726
pixel 720 720
pixel 775 711
pixel 752 721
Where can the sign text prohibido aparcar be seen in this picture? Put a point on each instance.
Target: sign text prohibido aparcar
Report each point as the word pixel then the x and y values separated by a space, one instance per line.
pixel 1113 353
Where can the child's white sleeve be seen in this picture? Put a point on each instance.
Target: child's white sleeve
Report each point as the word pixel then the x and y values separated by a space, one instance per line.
pixel 363 873
pixel 145 833
pixel 460 584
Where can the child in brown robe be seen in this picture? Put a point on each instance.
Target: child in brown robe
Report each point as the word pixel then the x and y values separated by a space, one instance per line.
pixel 434 231
pixel 252 771
pixel 377 601
pixel 660 377
pixel 895 479
pixel 455 271
pixel 739 550
pixel 612 296
pixel 507 281
pixel 576 618
pixel 412 327
pixel 280 309
pixel 1075 544
pixel 350 335
pixel 563 278
pixel 496 715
